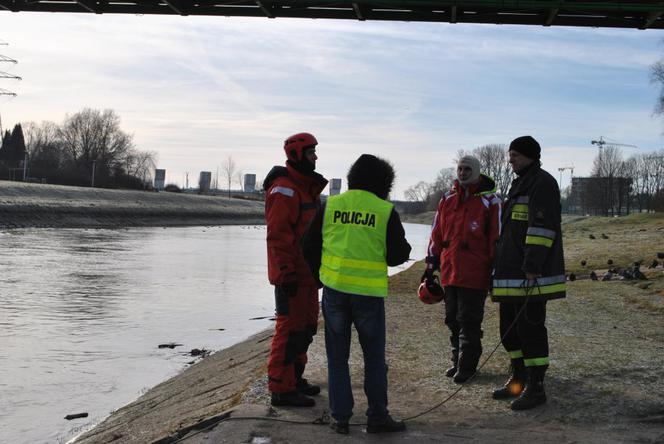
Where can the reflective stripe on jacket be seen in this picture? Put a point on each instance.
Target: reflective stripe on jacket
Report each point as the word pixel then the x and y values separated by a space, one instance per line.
pixel 354 243
pixel 530 241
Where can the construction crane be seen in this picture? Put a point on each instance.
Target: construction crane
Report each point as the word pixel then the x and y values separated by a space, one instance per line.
pixel 561 169
pixel 601 142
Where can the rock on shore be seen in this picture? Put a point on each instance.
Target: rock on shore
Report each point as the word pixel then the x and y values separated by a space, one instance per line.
pixel 37 205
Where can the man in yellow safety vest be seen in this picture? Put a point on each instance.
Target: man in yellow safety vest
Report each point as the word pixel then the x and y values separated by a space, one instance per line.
pixel 348 246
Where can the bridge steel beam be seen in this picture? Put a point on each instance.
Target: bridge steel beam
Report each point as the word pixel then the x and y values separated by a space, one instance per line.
pixel 638 14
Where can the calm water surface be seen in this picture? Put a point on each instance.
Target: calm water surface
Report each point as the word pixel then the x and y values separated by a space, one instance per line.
pixel 82 313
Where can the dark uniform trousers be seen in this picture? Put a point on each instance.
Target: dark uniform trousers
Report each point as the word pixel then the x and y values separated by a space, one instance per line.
pixel 527 333
pixel 464 312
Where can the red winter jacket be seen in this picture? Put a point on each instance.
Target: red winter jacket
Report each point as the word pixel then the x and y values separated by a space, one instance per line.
pixel 464 235
pixel 291 201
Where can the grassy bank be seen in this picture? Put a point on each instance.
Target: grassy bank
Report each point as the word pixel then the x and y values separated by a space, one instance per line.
pixel 37 205
pixel 605 384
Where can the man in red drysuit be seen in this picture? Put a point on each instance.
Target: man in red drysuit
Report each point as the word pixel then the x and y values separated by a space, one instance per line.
pixel 291 200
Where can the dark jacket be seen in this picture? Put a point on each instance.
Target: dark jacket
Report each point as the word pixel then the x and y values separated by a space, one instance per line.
pixel 531 240
pixel 397 247
pixel 291 200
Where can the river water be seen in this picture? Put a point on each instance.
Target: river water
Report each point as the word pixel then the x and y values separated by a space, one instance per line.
pixel 82 313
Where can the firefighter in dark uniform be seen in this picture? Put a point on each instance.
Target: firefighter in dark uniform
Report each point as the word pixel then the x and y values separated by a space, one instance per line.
pixel 529 271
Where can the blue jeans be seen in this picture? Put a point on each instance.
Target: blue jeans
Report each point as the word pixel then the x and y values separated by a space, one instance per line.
pixel 340 311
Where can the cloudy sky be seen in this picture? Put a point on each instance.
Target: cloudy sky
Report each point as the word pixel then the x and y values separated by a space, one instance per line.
pixel 197 90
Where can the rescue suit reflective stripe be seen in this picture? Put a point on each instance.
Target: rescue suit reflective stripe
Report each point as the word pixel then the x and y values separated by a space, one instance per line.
pixel 354 243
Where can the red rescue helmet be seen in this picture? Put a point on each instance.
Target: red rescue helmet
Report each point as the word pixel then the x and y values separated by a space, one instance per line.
pixel 430 291
pixel 295 146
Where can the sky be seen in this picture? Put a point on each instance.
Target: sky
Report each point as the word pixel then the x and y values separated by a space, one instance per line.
pixel 197 90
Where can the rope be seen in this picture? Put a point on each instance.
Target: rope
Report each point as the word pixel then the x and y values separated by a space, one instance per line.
pixel 324 419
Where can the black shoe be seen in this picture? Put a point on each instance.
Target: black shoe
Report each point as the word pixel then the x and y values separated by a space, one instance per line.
pixel 515 384
pixel 293 399
pixel 528 400
pixel 305 388
pixel 340 427
pixel 533 395
pixel 463 375
pixel 385 425
pixel 512 388
pixel 450 371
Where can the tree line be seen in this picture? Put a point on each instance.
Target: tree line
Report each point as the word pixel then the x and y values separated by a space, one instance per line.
pixel 615 186
pixel 624 185
pixel 87 148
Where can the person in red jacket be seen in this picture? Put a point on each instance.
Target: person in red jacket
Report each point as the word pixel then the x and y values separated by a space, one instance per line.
pixel 291 201
pixel 465 230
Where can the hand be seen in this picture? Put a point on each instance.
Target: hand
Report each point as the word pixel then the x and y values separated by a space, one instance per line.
pixel 531 279
pixel 427 275
pixel 287 289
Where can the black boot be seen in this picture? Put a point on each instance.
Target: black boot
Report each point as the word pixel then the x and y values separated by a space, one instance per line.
pixel 455 360
pixel 514 385
pixel 292 399
pixel 305 388
pixel 467 365
pixel 301 384
pixel 454 340
pixel 533 395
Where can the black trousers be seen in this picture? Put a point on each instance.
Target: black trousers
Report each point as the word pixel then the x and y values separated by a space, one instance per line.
pixel 528 333
pixel 464 312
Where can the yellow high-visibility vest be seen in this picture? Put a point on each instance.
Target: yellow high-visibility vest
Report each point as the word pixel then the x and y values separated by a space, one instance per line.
pixel 354 243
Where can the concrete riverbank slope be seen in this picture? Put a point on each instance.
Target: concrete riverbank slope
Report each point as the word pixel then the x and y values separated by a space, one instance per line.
pixel 605 383
pixel 39 205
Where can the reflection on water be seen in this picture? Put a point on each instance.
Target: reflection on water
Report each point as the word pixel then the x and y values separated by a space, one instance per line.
pixel 83 311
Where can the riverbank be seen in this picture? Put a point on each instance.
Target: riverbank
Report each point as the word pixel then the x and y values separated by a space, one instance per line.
pixel 605 384
pixel 24 205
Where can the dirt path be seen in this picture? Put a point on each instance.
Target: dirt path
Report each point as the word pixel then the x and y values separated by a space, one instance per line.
pixel 606 382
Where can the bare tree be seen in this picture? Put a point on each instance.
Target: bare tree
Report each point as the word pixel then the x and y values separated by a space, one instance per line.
pixel 494 163
pixel 657 76
pixel 419 192
pixel 140 164
pixel 444 182
pixel 228 167
pixel 611 193
pixel 239 179
pixel 92 139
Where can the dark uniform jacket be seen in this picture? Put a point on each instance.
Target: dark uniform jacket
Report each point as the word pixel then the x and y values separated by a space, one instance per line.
pixel 531 240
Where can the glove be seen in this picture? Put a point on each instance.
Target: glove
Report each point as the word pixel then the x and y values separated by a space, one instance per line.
pixel 427 275
pixel 287 289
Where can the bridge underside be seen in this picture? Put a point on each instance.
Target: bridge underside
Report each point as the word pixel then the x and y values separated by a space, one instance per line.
pixel 641 14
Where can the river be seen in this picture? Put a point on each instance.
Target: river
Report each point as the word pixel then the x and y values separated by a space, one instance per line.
pixel 82 313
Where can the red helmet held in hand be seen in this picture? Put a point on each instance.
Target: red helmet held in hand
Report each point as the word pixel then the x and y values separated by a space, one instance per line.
pixel 296 144
pixel 430 291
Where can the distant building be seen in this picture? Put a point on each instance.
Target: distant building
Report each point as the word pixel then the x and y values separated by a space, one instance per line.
pixel 249 183
pixel 335 187
pixel 600 196
pixel 159 179
pixel 204 182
